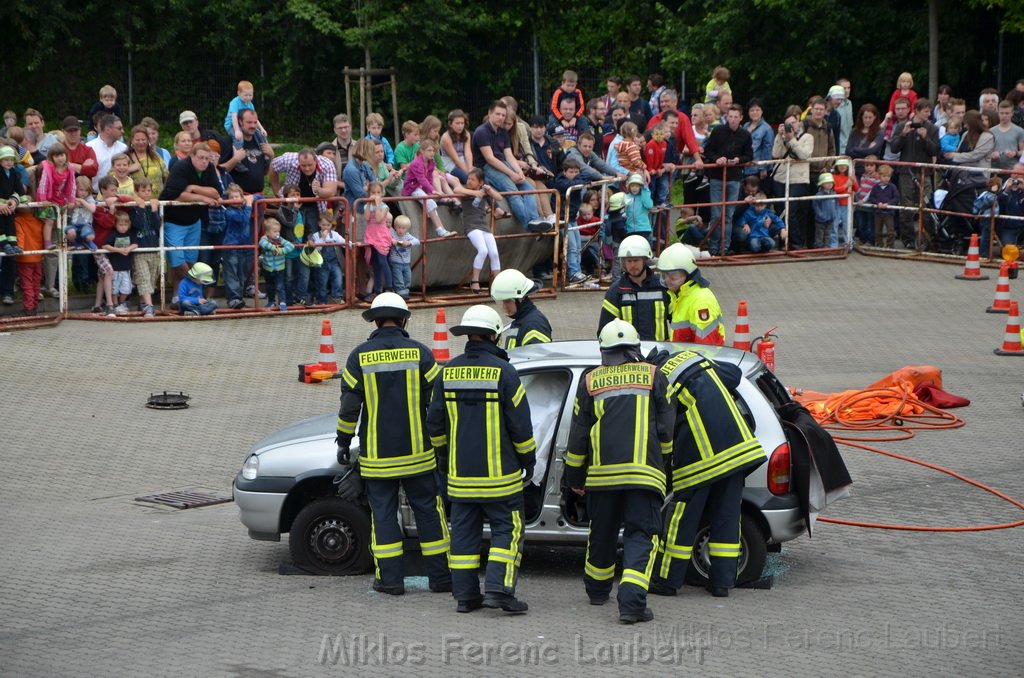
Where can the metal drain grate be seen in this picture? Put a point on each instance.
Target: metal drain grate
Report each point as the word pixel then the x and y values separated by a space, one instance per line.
pixel 186 499
pixel 168 401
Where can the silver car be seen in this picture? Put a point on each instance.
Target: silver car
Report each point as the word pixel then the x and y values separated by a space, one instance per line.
pixel 287 481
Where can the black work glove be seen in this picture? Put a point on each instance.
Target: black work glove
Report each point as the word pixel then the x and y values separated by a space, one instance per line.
pixel 528 477
pixel 349 483
pixel 441 459
pixel 344 458
pixel 657 356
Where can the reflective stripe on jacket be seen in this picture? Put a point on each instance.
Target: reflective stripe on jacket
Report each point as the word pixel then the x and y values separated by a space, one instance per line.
pixel 529 326
pixel 645 306
pixel 480 412
pixel 389 378
pixel 696 316
pixel 712 438
pixel 621 428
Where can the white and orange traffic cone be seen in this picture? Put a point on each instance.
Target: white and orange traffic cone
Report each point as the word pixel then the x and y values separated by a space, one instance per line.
pixel 972 267
pixel 442 345
pixel 328 362
pixel 741 336
pixel 1002 300
pixel 1011 338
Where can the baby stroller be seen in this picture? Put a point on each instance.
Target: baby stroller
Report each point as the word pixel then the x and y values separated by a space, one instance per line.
pixel 953 232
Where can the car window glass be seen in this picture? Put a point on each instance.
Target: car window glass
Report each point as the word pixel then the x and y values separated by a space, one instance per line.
pixel 546 392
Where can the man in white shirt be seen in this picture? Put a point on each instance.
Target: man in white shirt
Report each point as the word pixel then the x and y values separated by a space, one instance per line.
pixel 106 146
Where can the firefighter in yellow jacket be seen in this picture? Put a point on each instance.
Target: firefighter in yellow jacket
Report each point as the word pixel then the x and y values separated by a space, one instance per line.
pixel 621 431
pixel 479 420
pixel 695 315
pixel 389 377
pixel 713 451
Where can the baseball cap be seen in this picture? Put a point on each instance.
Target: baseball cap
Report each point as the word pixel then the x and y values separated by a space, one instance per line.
pixel 186 116
pixel 71 122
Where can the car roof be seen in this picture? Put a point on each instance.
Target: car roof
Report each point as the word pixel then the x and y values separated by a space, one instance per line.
pixel 587 353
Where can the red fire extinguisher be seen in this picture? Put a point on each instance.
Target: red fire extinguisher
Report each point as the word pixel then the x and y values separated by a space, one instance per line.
pixel 766 348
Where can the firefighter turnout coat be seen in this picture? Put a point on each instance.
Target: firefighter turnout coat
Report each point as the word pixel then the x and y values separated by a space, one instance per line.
pixel 712 438
pixel 480 415
pixel 390 378
pixel 529 326
pixel 621 429
pixel 643 306
pixel 696 316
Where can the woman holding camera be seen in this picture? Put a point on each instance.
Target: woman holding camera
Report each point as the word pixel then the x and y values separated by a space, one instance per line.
pixel 795 147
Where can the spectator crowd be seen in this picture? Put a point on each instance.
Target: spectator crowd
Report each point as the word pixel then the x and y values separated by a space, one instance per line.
pixel 621 161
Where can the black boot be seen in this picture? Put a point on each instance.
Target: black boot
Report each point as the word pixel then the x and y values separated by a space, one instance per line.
pixel 505 601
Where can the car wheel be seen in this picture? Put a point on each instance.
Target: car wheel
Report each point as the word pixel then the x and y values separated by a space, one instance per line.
pixel 753 553
pixel 331 536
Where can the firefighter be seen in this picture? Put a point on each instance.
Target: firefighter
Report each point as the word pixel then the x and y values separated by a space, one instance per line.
pixel 479 420
pixel 621 430
pixel 529 325
pixel 389 378
pixel 714 449
pixel 638 296
pixel 695 315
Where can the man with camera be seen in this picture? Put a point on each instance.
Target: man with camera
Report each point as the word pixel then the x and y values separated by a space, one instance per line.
pixel 916 140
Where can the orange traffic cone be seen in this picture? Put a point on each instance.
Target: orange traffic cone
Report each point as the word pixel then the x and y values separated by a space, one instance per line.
pixel 1011 339
pixel 442 346
pixel 327 361
pixel 741 338
pixel 972 267
pixel 1002 300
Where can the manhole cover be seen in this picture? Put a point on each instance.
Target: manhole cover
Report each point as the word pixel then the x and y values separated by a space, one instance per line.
pixel 186 499
pixel 168 401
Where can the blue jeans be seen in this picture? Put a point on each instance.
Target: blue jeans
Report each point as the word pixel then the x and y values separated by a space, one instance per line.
pixel 301 289
pixel 842 224
pixel 211 257
pixel 237 265
pixel 276 287
pixel 761 244
pixel 524 207
pixel 864 226
pixel 205 308
pixel 659 189
pixel 381 272
pixel 401 274
pixel 732 192
pixel 572 256
pixel 330 279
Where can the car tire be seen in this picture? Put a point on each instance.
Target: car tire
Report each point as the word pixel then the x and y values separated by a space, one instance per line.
pixel 331 536
pixel 753 553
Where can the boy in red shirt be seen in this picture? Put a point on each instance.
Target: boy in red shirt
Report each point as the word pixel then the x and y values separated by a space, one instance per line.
pixel 656 153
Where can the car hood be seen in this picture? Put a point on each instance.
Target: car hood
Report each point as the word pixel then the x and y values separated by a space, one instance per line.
pixel 298 432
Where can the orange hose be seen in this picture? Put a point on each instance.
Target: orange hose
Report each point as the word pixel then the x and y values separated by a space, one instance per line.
pixel 931 418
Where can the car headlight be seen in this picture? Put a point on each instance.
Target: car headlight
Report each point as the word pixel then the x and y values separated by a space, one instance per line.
pixel 251 467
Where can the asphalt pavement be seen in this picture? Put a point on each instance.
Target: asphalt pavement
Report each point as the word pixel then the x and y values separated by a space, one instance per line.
pixel 93 582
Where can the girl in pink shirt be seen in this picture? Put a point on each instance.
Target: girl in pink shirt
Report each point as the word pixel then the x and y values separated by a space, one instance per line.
pixel 56 185
pixel 421 181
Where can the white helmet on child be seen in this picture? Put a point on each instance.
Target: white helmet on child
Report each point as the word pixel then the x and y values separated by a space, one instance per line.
pixel 635 246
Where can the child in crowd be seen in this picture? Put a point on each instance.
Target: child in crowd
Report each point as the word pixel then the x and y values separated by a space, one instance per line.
pixel 883 194
pixel 293 227
pixel 331 278
pixel 826 213
pixel 389 178
pixel 29 234
pixel 238 230
pixel 400 257
pixel 986 206
pixel 750 186
pixel 240 103
pixel 378 240
pixel 456 151
pixel 145 223
pixel 79 232
pixel 1011 204
pixel 56 185
pixel 119 165
pixel 904 89
pixel 950 141
pixel 420 181
pixel 103 221
pixel 589 226
pixel 405 151
pixel 656 159
pixel 107 105
pixel 689 228
pixel 569 177
pixel 638 202
pixel 477 198
pixel 863 220
pixel 430 130
pixel 10 120
pixel 120 244
pixel 273 250
pixel 192 300
pixel 628 151
pixel 12 193
pixel 374 129
pixel 718 83
pixel 846 186
pixel 761 226
pixel 614 232
pixel 567 90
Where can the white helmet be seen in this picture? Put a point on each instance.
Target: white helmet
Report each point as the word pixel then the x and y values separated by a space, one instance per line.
pixel 511 284
pixel 618 333
pixel 677 257
pixel 202 272
pixel 387 305
pixel 478 319
pixel 635 246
